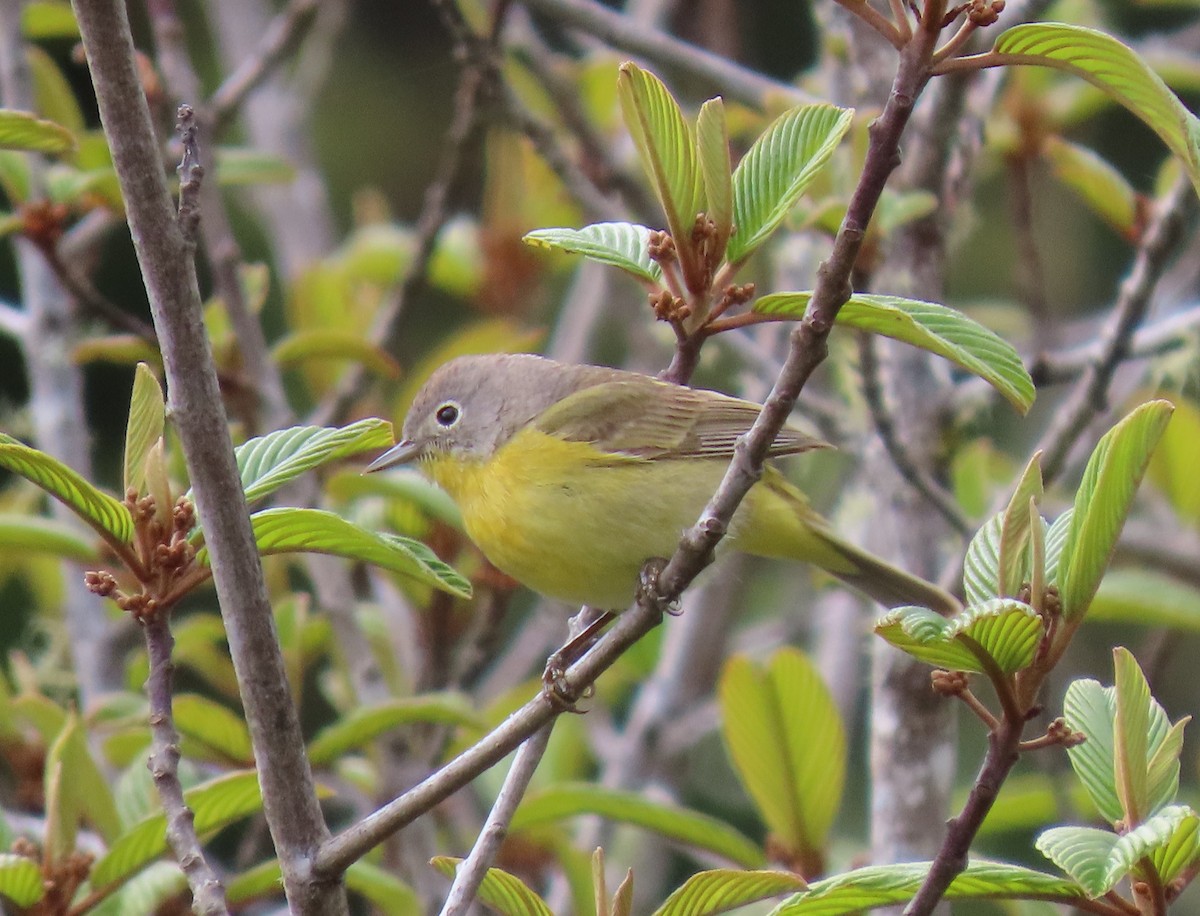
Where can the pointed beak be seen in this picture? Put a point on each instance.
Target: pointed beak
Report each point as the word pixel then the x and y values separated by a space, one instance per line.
pixel 401 453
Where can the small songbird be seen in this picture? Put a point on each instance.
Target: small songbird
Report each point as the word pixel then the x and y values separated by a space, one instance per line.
pixel 570 477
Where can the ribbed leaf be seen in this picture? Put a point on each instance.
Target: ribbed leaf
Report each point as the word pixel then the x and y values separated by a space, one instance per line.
pixel 1056 539
pixel 1129 729
pixel 981 566
pixel 941 330
pixel 294 530
pixel 20 879
pixel 788 745
pixel 1117 71
pixel 1006 629
pixel 778 168
pixel 389 895
pixel 1014 538
pixel 268 462
pixel 1083 853
pixel 725 889
pixel 690 828
pixel 1103 500
pixel 623 245
pixel 214 725
pixel 1169 838
pixel 145 892
pixel 20 130
pixel 98 509
pixel 884 885
pixel 325 344
pixel 712 147
pixel 1105 190
pixel 147 415
pixel 215 803
pixel 667 150
pixel 505 893
pixel 42 534
pixel 364 724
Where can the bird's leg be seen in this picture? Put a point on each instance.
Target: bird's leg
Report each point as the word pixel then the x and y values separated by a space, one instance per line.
pixel 585 628
pixel 647 589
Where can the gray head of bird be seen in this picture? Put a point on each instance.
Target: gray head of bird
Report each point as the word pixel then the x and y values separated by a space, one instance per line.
pixel 472 405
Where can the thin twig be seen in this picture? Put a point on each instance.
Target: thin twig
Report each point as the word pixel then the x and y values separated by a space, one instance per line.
pixel 208 896
pixel 281 36
pixel 876 20
pixel 289 796
pixel 1089 397
pixel 94 301
pixel 918 478
pixel 473 869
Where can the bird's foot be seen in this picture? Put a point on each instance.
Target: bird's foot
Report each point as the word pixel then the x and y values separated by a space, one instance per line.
pixel 554 679
pixel 647 590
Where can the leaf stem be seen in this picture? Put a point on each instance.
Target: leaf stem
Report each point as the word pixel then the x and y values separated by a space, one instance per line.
pixel 876 20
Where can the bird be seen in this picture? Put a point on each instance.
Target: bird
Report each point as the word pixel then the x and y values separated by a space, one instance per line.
pixel 570 477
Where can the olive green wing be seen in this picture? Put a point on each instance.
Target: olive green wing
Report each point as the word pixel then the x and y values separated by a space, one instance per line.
pixel 641 417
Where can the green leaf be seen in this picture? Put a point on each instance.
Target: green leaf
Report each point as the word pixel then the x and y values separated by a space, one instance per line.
pixel 1146 598
pixel 712 148
pixel 40 534
pixel 263 880
pixel 788 745
pixel 981 565
pixel 1116 70
pixel 14 176
pixel 20 879
pixel 929 326
pixel 668 153
pixel 885 885
pixel 54 97
pixel 725 889
pixel 366 723
pixel 690 828
pixel 299 346
pixel 1098 184
pixel 1103 501
pixel 778 169
pixel 1006 629
pixel 389 895
pixel 293 530
pixel 109 517
pixel 404 484
pixel 146 892
pixel 20 130
pixel 266 463
pixel 623 245
pixel 238 167
pixel 214 725
pixel 505 893
pixel 1129 728
pixel 48 19
pixel 1056 539
pixel 1083 853
pixel 1173 466
pixel 216 803
pixel 1014 538
pixel 147 415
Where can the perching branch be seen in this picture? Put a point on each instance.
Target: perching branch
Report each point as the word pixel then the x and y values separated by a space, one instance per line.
pixel 289 796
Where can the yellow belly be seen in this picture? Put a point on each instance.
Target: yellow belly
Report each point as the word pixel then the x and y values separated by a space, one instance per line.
pixel 577 524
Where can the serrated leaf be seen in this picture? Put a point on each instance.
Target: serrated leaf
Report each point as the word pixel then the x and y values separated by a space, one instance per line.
pixel 398 484
pixel 147 416
pixel 20 879
pixel 214 803
pixel 1083 853
pixel 293 530
pixel 1056 539
pixel 667 151
pixel 505 893
pixel 42 534
pixel 109 517
pixel 1006 629
pixel 788 745
pixel 622 245
pixel 1116 70
pixel 885 885
pixel 1103 500
pixel 1146 598
pixel 1129 729
pixel 214 725
pixel 301 346
pixel 266 463
pixel 552 804
pixel 1097 183
pixel 21 130
pixel 981 565
pixel 929 326
pixel 1169 839
pixel 777 170
pixel 1014 567
pixel 725 889
pixel 364 724
pixel 712 148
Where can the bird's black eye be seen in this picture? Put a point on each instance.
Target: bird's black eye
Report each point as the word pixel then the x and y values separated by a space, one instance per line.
pixel 447 414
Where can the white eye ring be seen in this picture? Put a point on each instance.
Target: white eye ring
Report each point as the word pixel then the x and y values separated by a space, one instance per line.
pixel 448 414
